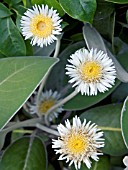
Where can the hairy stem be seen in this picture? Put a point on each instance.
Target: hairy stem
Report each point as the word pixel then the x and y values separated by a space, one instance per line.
pixel 66 99
pixel 57 49
pixel 46 129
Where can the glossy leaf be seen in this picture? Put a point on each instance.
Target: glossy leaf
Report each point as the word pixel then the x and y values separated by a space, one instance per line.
pixel 12 2
pixel 19 77
pixel 13 42
pixel 124 121
pixel 20 13
pixel 25 153
pixel 82 10
pixel 4 11
pixel 104 21
pixel 54 3
pixel 118 1
pixel 108 119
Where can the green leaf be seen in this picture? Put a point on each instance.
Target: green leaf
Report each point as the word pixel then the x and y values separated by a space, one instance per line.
pixel 118 1
pixel 121 50
pixel 27 3
pixel 83 102
pixel 53 3
pixel 19 77
pixel 99 165
pixel 11 43
pixel 64 24
pixel 4 11
pixel 20 13
pixel 104 20
pixel 25 153
pixel 116 160
pixel 108 119
pixel 124 121
pixel 12 2
pixel 50 167
pixel 77 37
pixel 120 93
pixel 82 10
pixel 93 38
pixel 29 49
pixel 45 51
pixel 120 47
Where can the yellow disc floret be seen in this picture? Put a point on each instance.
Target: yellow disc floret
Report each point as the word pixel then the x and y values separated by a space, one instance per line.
pixel 77 143
pixel 46 105
pixel 41 26
pixel 90 71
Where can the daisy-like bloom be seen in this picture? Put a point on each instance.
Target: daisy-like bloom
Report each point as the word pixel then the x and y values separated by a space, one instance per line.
pixel 41 25
pixel 91 71
pixel 78 142
pixel 47 100
pixel 125 161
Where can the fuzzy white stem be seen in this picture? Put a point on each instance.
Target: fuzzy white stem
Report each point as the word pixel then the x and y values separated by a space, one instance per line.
pixel 66 99
pixel 57 49
pixel 46 129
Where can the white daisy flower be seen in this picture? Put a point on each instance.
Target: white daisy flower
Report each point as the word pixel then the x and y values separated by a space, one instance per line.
pixel 41 24
pixel 91 71
pixel 47 100
pixel 78 142
pixel 125 161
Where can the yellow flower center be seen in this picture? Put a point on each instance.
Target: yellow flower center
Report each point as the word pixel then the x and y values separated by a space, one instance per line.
pixel 46 105
pixel 90 71
pixel 41 26
pixel 77 143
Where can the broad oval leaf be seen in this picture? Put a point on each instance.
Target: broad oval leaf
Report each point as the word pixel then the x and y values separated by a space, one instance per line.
pixel 12 2
pixel 93 38
pixel 19 77
pixel 124 121
pixel 11 42
pixel 24 154
pixel 104 20
pixel 4 11
pixel 82 10
pixel 108 119
pixel 118 1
